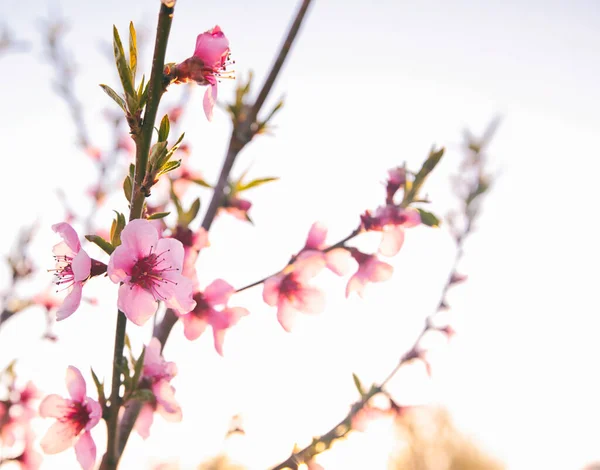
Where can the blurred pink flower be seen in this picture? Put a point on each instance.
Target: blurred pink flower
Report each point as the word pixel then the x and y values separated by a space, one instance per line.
pixel 337 260
pixel 206 66
pixel 289 292
pixel 75 418
pixel 391 221
pixel 396 180
pixel 47 299
pixel 206 313
pixel 29 459
pixel 193 243
pixel 73 268
pixel 150 270
pixel 156 375
pixel 370 269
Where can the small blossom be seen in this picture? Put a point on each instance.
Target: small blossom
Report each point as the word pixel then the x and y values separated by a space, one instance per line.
pixel 337 260
pixel 73 268
pixel 206 313
pixel 47 300
pixel 237 207
pixel 396 180
pixel 75 418
pixel 156 376
pixel 206 66
pixel 391 221
pixel 149 269
pixel 370 269
pixel 290 293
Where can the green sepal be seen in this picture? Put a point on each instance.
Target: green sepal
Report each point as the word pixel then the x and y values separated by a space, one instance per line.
pixel 429 219
pixel 142 92
pixel 115 96
pixel 99 388
pixel 106 246
pixel 138 368
pixel 186 217
pixel 127 188
pixel 157 215
pixel 142 395
pixel 201 182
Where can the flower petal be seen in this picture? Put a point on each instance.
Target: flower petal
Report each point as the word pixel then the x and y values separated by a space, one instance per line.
pixel 139 236
pixel 165 395
pixel 271 289
pixel 69 235
pixel 81 266
pixel 177 294
pixel 392 240
pixel 138 304
pixel 355 284
pixel 121 263
pixel 210 98
pixel 218 292
pixel 310 300
pixel 338 261
pixel 316 236
pixel 85 450
pixel 144 421
pixel 193 326
pixel 59 437
pixel 71 302
pixel 172 252
pixel 53 406
pixel 75 384
pixel 286 314
pixel 308 265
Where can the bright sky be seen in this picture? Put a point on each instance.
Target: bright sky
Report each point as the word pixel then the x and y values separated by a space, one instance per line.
pixel 369 86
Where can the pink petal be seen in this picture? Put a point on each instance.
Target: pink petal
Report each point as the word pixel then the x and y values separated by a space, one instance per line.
pixel 172 252
pixel 59 437
pixel 53 406
pixel 212 47
pixel 69 235
pixel 71 302
pixel 178 294
pixel 391 240
pixel 81 265
pixel 234 314
pixel 139 236
pixel 62 249
pixel 210 98
pixel 219 339
pixel 193 326
pixel 413 217
pixel 379 271
pixel 75 384
pixel 218 292
pixel 165 395
pixel 138 304
pixel 316 236
pixel 271 289
pixel 144 421
pixel 355 284
pixel 286 314
pixel 310 300
pixel 121 263
pixel 338 261
pixel 85 450
pixel 170 416
pixel 154 363
pixel 95 413
pixel 308 265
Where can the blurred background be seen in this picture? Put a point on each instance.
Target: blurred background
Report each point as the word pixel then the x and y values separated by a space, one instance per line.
pixel 368 86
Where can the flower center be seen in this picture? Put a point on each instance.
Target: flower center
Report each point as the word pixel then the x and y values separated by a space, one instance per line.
pixel 63 271
pixel 202 306
pixel 149 273
pixel 289 286
pixel 77 414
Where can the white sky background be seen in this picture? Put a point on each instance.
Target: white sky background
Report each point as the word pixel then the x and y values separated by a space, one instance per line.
pixel 369 85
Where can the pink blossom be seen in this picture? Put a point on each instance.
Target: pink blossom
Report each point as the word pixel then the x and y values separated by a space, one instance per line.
pixel 391 221
pixel 193 243
pixel 290 293
pixel 206 66
pixel 370 269
pixel 206 313
pixel 396 180
pixel 29 458
pixel 47 300
pixel 337 260
pixel 75 418
pixel 156 375
pixel 150 270
pixel 73 268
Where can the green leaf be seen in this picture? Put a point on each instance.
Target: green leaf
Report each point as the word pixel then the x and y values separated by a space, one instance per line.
pixel 254 183
pixel 428 165
pixel 127 188
pixel 194 209
pixel 157 152
pixel 429 219
pixel 116 98
pixel 101 242
pixel 137 370
pixel 201 182
pixel 142 93
pixel 169 166
pixel 124 72
pixel 117 227
pixel 132 51
pixel 163 131
pixel 177 203
pixel 358 385
pixel 157 215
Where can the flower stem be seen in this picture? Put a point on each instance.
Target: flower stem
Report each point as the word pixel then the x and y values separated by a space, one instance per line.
pixel 115 445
